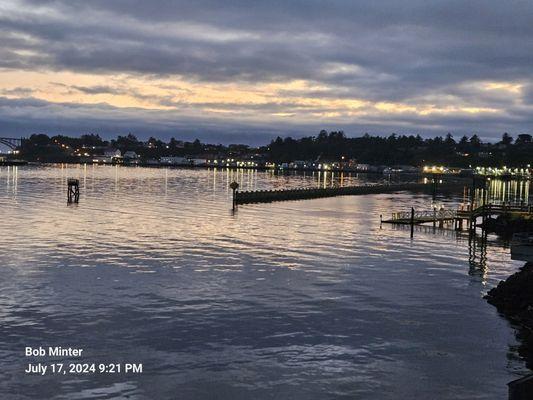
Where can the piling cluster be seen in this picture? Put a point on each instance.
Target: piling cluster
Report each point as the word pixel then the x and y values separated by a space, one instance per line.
pixel 73 190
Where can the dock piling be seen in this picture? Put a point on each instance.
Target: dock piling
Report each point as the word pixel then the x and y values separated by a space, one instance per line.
pixel 234 186
pixel 73 191
pixel 412 222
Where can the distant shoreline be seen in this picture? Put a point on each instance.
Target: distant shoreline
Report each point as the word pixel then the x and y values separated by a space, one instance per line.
pixel 191 166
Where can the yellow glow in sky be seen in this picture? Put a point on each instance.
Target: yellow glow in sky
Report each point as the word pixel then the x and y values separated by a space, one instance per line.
pixel 295 100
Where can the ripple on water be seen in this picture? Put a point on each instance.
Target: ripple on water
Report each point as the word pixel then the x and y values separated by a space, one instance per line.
pixel 309 299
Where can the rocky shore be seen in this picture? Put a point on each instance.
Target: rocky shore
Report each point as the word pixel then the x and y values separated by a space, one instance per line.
pixel 514 299
pixel 506 225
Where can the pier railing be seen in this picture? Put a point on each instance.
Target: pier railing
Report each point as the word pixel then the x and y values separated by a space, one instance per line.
pixel 429 215
pixel 462 213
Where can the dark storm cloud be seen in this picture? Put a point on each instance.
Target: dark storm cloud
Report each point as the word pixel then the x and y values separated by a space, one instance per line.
pixel 415 52
pixel 409 44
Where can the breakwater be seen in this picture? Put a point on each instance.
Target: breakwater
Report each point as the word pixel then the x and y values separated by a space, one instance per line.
pixel 267 196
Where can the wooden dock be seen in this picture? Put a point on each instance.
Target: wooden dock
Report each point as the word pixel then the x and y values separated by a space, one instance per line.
pixel 460 216
pixel 421 217
pixel 267 196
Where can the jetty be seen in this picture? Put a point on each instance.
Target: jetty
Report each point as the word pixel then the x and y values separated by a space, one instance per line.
pixel 267 196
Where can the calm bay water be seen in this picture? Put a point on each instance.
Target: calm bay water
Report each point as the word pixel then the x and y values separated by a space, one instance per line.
pixel 293 300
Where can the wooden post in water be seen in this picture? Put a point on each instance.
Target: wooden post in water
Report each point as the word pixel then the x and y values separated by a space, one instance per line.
pixel 412 221
pixel 73 192
pixel 234 186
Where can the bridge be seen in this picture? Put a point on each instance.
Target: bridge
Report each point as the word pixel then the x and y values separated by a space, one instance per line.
pixel 12 143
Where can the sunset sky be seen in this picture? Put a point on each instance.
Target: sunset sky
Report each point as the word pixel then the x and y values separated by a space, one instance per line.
pixel 246 71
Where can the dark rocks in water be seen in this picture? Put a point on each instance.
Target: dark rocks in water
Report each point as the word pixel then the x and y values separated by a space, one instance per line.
pixel 521 389
pixel 514 299
pixel 506 225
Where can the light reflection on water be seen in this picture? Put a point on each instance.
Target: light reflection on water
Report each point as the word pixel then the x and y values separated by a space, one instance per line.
pixel 301 300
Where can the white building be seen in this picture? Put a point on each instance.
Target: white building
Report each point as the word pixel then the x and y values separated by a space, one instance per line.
pixel 113 153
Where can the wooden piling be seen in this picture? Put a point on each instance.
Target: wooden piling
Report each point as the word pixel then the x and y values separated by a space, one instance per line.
pixel 73 190
pixel 234 186
pixel 412 222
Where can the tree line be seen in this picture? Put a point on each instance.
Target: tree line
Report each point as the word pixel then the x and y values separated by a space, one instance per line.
pixel 326 146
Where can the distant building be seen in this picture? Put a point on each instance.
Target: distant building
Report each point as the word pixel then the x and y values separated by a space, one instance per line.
pixel 524 138
pixel 110 156
pixel 113 153
pixel 298 164
pixel 174 161
pixel 131 155
pixel 152 161
pixel 200 162
pixel 103 160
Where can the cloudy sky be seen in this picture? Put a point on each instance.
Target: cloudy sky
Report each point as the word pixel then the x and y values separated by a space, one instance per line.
pixel 244 71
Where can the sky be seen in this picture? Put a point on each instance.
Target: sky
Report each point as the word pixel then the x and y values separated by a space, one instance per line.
pixel 247 71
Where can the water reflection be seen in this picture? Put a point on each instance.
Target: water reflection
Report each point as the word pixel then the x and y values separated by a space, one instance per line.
pixel 497 191
pixel 478 244
pixel 477 254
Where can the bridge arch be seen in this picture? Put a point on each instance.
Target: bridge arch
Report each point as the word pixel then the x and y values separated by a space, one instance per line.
pixel 12 143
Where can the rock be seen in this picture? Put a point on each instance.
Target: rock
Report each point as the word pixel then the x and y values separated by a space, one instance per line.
pixel 514 299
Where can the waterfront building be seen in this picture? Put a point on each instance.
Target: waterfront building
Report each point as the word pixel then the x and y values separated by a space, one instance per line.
pixel 198 161
pixel 130 155
pixel 103 160
pixel 114 153
pixel 174 160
